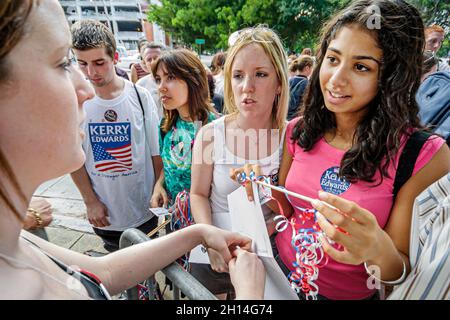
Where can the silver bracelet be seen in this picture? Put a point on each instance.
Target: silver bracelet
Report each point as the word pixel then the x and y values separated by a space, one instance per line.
pixel 390 283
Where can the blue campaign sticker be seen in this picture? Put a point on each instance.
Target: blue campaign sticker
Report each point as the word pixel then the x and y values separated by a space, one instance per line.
pixel 111 146
pixel 331 182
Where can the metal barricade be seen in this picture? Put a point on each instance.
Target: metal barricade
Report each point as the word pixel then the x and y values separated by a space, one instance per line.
pixel 181 279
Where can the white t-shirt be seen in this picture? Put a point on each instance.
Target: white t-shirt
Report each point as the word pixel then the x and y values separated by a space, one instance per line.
pixel 219 84
pixel 148 82
pixel 118 154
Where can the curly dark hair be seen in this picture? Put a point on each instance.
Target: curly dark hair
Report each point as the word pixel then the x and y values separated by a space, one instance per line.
pixel 393 111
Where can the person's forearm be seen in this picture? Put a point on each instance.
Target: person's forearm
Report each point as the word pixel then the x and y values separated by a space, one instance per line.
pixel 201 209
pixel 158 167
pixel 127 267
pixel 388 264
pixel 83 183
pixel 133 74
pixel 161 179
pixel 285 205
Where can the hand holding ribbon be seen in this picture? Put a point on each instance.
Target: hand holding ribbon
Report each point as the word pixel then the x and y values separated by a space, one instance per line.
pixel 357 229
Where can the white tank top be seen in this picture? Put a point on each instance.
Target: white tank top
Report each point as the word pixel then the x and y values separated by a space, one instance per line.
pixel 222 185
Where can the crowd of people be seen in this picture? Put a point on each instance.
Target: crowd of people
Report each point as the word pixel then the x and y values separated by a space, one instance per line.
pixel 361 125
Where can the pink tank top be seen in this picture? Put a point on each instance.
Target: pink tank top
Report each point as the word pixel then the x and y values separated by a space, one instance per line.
pixel 317 170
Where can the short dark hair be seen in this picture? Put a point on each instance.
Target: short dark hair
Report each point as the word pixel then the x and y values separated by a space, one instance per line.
pixel 142 41
pixel 91 34
pixel 154 45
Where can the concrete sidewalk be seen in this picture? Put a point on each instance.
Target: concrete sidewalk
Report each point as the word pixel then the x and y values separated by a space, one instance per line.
pixel 70 228
pixel 69 210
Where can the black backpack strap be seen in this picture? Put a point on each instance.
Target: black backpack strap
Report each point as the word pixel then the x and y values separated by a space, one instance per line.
pixel 139 98
pixel 163 134
pixel 408 159
pixel 143 113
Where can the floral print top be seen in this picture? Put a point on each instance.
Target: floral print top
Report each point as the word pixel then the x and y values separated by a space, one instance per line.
pixel 176 153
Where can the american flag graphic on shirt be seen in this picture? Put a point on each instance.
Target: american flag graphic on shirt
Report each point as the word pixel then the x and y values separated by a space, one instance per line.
pixel 111 146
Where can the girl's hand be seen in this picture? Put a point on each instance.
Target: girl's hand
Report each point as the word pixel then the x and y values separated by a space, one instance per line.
pixel 97 214
pixel 220 245
pixel 247 274
pixel 359 232
pixel 247 169
pixel 217 262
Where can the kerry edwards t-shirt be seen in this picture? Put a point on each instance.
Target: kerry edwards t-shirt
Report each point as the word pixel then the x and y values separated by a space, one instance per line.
pixel 119 152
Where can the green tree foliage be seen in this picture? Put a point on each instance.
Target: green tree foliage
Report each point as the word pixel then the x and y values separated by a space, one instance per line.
pixel 298 22
pixel 436 12
pixel 187 20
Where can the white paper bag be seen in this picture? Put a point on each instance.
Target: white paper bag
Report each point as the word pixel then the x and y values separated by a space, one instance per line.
pixel 247 218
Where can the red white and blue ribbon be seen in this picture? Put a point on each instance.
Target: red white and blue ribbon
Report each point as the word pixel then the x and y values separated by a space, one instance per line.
pixel 310 256
pixel 181 218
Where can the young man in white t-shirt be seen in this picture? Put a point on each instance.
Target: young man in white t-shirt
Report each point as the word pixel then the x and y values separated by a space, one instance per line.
pixel 121 142
pixel 152 51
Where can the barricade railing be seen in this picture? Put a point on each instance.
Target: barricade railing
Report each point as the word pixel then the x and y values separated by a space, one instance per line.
pixel 181 279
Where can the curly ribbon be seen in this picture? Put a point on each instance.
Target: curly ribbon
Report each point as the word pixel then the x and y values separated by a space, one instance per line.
pixel 310 256
pixel 181 217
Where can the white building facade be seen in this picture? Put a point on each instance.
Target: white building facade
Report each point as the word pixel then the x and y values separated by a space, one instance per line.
pixel 126 19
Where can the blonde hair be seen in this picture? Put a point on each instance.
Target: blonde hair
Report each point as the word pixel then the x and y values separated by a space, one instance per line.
pixel 272 46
